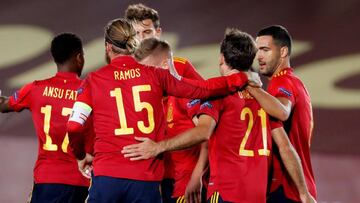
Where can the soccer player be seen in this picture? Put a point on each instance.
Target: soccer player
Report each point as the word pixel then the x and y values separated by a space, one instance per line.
pixel 289 101
pixel 179 164
pixel 240 147
pixel 182 167
pixel 56 174
pixel 125 99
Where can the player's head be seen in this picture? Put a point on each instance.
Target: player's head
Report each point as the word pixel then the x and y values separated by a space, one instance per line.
pixel 67 51
pixel 153 52
pixel 145 20
pixel 119 39
pixel 274 48
pixel 237 50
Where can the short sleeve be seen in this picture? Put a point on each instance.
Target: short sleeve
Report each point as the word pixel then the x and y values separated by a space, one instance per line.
pixel 282 87
pixel 21 99
pixel 275 123
pixel 192 106
pixel 84 92
pixel 211 108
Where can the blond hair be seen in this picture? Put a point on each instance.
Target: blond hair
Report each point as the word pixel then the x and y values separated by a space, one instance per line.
pixel 120 33
pixel 151 46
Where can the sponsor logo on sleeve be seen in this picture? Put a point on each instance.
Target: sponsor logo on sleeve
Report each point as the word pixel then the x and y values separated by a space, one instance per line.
pixel 80 90
pixel 192 103
pixel 285 91
pixel 206 105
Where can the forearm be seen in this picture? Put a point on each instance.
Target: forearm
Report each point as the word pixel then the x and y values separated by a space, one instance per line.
pixel 203 160
pixel 293 165
pixel 270 104
pixel 77 147
pixel 184 140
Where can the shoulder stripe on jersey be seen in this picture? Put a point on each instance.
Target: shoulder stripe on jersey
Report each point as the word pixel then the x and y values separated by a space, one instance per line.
pixel 180 60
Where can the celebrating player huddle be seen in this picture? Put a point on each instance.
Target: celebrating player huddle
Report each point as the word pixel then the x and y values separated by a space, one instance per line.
pixel 147 128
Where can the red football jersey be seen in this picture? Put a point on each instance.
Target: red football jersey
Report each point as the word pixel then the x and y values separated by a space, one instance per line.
pixel 126 100
pixel 299 128
pixel 239 148
pixel 179 112
pixel 50 102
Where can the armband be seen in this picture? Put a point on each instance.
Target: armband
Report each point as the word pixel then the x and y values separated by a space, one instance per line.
pixel 80 112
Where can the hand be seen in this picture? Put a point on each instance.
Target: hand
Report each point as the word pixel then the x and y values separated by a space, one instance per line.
pixel 193 190
pixel 254 79
pixel 146 149
pixel 307 198
pixel 85 165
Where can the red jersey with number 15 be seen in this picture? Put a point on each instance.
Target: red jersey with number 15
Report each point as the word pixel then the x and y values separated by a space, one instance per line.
pixel 126 101
pixel 50 102
pixel 239 149
pixel 299 129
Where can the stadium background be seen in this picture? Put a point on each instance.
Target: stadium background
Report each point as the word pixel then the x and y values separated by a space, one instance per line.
pixel 326 56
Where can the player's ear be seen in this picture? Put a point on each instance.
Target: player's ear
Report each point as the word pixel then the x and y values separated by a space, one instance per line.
pixel 108 47
pixel 284 51
pixel 222 59
pixel 158 32
pixel 80 59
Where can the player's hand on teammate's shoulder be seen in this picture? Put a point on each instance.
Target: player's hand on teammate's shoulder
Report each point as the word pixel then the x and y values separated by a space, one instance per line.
pixel 146 149
pixel 85 165
pixel 254 79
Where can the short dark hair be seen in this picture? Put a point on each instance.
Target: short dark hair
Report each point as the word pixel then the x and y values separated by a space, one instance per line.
pixel 64 46
pixel 140 12
pixel 280 35
pixel 150 46
pixel 238 48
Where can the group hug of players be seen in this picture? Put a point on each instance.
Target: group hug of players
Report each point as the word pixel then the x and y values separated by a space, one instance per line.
pixel 147 128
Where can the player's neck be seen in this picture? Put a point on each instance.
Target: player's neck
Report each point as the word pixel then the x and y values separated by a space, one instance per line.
pixel 67 69
pixel 230 72
pixel 281 66
pixel 113 56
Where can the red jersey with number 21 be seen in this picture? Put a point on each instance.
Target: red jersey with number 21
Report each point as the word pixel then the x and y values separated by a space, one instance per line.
pixel 50 102
pixel 239 149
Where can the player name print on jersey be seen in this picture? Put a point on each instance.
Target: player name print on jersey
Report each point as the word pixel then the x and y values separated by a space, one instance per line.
pixel 59 93
pixel 127 74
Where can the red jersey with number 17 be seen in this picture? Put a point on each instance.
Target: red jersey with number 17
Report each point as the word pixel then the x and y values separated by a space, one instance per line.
pixel 179 112
pixel 299 129
pixel 239 149
pixel 126 101
pixel 50 102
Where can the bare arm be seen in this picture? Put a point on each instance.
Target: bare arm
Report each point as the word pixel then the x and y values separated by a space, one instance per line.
pixel 194 186
pixel 149 149
pixel 292 163
pixel 278 107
